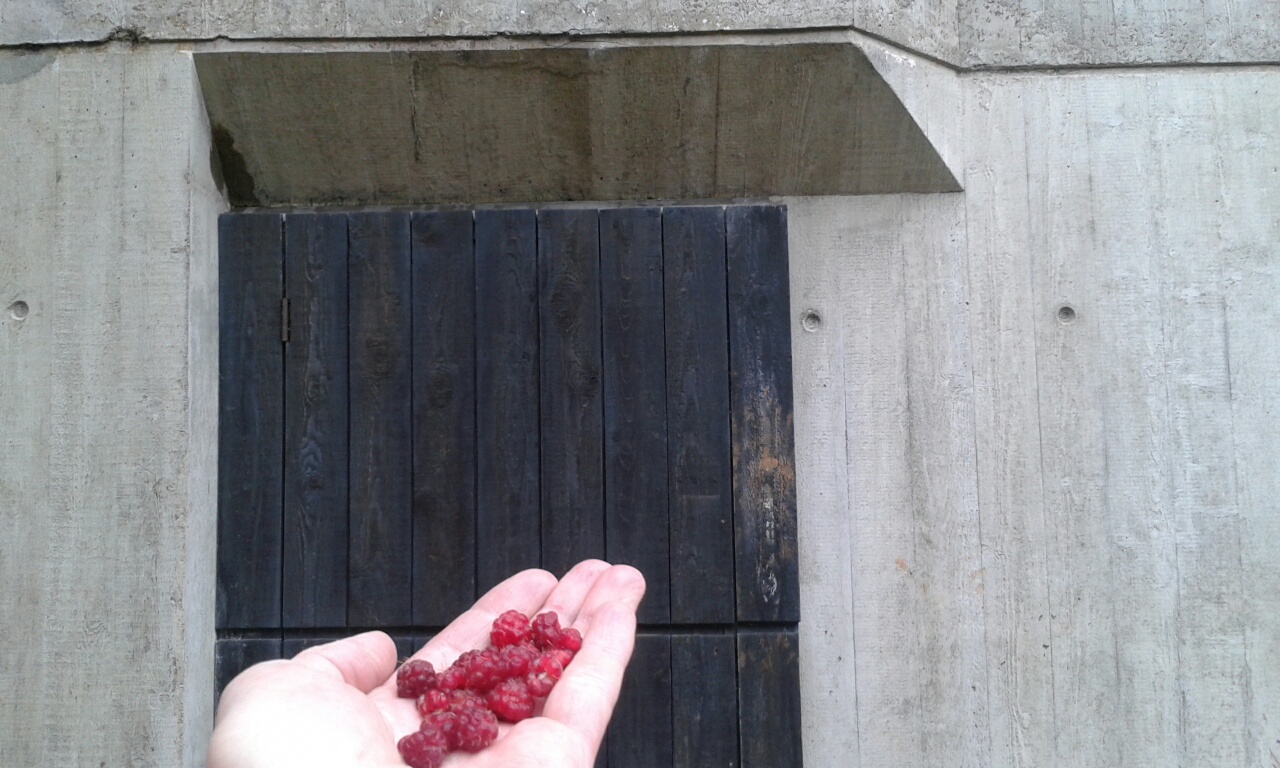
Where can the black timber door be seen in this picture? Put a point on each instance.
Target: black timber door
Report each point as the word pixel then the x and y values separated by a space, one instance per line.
pixel 415 405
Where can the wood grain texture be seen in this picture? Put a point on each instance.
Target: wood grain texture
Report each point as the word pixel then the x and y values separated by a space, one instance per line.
pixel 250 420
pixel 380 463
pixel 769 698
pixel 704 700
pixel 640 731
pixel 571 417
pixel 760 394
pixel 635 409
pixel 698 454
pixel 444 416
pixel 508 524
pixel 233 656
pixel 316 437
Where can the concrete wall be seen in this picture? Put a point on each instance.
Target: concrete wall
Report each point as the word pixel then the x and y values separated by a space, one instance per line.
pixel 971 33
pixel 1033 537
pixel 108 354
pixel 1030 537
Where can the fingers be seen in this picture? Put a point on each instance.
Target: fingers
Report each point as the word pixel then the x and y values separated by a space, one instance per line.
pixel 584 697
pixel 617 584
pixel 568 596
pixel 363 661
pixel 525 592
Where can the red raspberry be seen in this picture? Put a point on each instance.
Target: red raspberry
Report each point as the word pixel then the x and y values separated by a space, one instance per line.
pixel 464 699
pixel 560 655
pixel 517 659
pixel 543 675
pixel 511 701
pixel 475 729
pixel 442 724
pixel 570 639
pixel 538 685
pixel 484 671
pixel 510 628
pixel 433 700
pixel 545 630
pixel 415 678
pixel 452 678
pixel 423 749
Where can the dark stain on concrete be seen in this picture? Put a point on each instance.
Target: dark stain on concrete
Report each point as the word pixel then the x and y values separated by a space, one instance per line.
pixel 230 171
pixel 16 67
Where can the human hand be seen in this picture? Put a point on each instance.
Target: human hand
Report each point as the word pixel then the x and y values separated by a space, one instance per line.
pixel 336 704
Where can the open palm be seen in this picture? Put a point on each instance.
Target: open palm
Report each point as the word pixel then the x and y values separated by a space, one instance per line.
pixel 336 704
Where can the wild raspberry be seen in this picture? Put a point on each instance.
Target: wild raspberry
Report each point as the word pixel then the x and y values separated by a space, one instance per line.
pixel 543 675
pixel 474 729
pixel 422 749
pixel 434 700
pixel 452 678
pixel 511 628
pixel 484 670
pixel 511 701
pixel 517 659
pixel 464 699
pixel 570 640
pixel 545 629
pixel 560 655
pixel 415 678
pixel 441 723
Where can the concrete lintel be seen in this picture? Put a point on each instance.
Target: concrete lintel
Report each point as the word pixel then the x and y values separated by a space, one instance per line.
pixel 395 127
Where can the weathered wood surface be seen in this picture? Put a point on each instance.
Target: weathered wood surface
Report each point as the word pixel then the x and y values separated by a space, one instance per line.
pixel 316 437
pixel 704 700
pixel 698 452
pixel 764 502
pixel 769 698
pixel 250 420
pixel 233 656
pixel 635 401
pixel 571 416
pixel 380 462
pixel 640 729
pixel 444 416
pixel 508 497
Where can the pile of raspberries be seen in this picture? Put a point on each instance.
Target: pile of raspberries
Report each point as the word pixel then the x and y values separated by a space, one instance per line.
pixel 462 705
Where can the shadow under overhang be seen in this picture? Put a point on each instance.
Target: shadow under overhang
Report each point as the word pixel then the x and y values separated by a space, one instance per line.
pixel 678 122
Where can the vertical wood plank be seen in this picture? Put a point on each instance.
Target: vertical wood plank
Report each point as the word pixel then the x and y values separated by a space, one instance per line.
pixel 704 701
pixel 571 415
pixel 316 440
pixel 769 698
pixel 635 412
pixel 381 457
pixel 234 655
pixel 250 420
pixel 444 443
pixel 292 646
pixel 698 453
pixel 767 579
pixel 508 533
pixel 640 730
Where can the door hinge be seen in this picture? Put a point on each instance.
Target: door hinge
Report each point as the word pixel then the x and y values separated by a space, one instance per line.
pixel 284 320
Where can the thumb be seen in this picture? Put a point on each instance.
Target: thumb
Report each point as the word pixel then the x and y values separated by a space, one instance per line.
pixel 362 661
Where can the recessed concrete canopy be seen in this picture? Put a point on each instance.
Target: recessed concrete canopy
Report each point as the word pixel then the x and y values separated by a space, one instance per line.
pixel 561 124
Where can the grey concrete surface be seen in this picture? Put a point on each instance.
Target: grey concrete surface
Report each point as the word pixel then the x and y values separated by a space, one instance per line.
pixel 680 122
pixel 109 349
pixel 1034 33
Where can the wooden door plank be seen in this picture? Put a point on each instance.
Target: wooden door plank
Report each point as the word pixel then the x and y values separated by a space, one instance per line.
pixel 635 411
pixel 444 443
pixel 250 420
pixel 316 440
pixel 698 452
pixel 379 590
pixel 767 578
pixel 769 698
pixel 571 415
pixel 508 526
pixel 704 701
pixel 640 731
pixel 232 656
